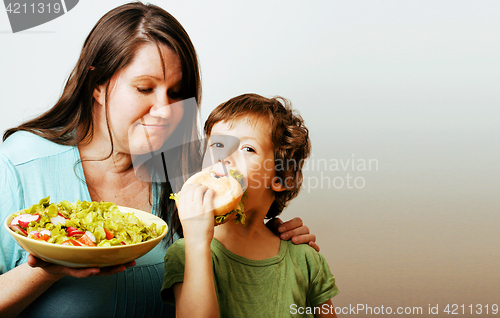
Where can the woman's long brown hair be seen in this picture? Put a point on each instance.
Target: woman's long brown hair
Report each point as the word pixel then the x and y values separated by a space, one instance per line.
pixel 111 46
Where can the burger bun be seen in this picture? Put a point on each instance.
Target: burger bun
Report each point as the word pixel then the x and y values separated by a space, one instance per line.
pixel 227 189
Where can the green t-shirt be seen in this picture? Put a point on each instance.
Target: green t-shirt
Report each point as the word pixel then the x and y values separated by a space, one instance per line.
pixel 275 287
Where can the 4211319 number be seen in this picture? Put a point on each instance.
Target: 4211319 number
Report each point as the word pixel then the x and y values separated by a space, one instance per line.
pixel 479 309
pixel 20 8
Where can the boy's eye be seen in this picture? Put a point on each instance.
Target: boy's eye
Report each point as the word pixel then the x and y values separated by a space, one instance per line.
pixel 217 145
pixel 249 149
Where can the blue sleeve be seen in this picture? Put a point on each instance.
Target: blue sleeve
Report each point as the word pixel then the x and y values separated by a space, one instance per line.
pixel 11 200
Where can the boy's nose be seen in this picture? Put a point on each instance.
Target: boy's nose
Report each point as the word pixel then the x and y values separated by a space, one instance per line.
pixel 222 168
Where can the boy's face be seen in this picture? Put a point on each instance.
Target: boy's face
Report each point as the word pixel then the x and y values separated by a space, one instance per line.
pixel 247 146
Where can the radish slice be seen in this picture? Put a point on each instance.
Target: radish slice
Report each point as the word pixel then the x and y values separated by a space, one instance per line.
pixel 90 235
pixel 25 219
pixel 76 233
pixel 15 221
pixel 17 228
pixel 58 220
pixel 73 231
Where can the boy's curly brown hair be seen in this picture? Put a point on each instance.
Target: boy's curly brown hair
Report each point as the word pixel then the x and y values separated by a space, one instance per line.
pixel 289 135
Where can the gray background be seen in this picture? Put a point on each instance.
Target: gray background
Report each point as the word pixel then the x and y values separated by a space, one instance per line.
pixel 412 85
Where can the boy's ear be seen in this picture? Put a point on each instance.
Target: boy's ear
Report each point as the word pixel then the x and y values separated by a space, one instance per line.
pixel 277 185
pixel 99 94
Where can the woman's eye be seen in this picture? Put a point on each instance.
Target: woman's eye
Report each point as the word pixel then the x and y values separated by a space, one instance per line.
pixel 144 89
pixel 217 145
pixel 174 95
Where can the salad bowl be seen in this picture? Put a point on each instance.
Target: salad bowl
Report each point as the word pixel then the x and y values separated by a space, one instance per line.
pixel 86 256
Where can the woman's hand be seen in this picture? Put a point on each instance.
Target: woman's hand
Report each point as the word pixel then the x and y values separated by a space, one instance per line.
pixel 28 281
pixel 61 271
pixel 293 229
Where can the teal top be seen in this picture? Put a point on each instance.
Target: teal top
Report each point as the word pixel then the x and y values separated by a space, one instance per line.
pixel 32 168
pixel 298 277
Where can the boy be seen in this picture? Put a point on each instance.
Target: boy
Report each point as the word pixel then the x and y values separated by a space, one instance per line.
pixel 247 271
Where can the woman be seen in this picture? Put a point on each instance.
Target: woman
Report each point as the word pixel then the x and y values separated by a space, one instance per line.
pixel 128 97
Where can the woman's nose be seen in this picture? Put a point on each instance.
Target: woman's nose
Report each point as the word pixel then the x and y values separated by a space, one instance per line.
pixel 162 108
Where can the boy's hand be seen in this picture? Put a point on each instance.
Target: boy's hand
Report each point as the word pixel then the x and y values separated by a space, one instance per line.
pixel 293 229
pixel 196 212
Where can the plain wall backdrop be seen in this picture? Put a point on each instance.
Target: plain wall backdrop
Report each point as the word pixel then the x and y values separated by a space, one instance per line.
pixel 402 102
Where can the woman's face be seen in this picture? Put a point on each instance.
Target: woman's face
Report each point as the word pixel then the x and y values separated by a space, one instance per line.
pixel 144 104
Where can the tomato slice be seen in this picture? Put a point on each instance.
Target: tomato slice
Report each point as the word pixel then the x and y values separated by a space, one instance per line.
pixel 85 240
pixel 43 235
pixel 71 241
pixel 109 234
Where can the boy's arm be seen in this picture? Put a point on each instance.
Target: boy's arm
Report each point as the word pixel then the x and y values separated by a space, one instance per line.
pixel 326 310
pixel 195 296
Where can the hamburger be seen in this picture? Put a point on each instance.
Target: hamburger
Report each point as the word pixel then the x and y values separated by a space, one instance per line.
pixel 230 194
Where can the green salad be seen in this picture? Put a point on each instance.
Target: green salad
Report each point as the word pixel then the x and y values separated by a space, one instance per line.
pixel 82 224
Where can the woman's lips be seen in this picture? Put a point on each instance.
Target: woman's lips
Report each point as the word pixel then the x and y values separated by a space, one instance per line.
pixel 155 126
